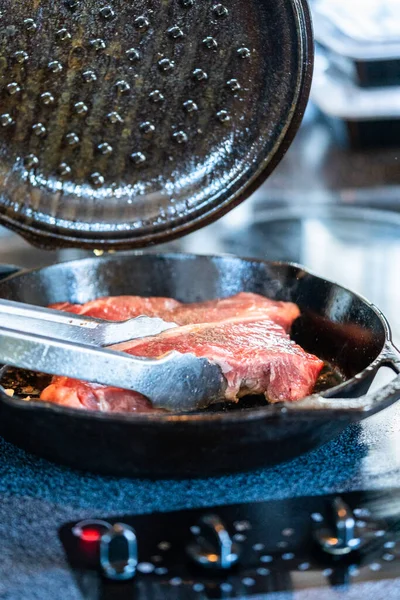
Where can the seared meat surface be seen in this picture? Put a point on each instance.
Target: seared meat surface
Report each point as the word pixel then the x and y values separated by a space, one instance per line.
pixel 246 335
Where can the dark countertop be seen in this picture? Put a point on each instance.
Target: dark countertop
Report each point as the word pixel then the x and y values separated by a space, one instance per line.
pixel 36 497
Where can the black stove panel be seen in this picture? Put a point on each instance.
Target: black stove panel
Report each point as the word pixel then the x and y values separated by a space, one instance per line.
pixel 240 550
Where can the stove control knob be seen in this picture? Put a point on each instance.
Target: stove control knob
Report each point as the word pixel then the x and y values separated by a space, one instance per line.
pixel 119 553
pixel 342 538
pixel 213 547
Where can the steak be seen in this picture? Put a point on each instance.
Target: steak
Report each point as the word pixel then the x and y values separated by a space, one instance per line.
pixel 79 394
pixel 244 304
pixel 244 334
pixel 256 356
pixel 121 308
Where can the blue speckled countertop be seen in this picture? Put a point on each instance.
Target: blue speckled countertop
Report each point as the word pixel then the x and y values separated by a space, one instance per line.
pixel 36 498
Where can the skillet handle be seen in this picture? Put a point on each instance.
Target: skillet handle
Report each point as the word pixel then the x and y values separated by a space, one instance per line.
pixel 7 270
pixel 367 404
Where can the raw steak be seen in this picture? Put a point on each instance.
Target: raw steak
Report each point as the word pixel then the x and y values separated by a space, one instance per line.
pixel 120 308
pixel 255 355
pixel 244 304
pixel 79 394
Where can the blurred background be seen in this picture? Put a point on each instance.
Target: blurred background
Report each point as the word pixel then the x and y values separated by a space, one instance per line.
pixel 333 204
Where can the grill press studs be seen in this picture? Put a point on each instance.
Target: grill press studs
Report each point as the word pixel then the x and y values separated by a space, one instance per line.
pixel 210 43
pixel 30 25
pixel 190 106
pixel 6 120
pixel 104 148
pixel 80 108
pixel 233 85
pixel 147 127
pixel 223 116
pixel 199 75
pixel 63 34
pixel 114 118
pixel 122 86
pixel 97 179
pixel 47 98
pixel 165 64
pixel 156 96
pixel 72 139
pixel 244 52
pixel 98 44
pixel 138 158
pixel 75 61
pixel 64 169
pixel 21 56
pixel 133 54
pixel 107 13
pixel 175 32
pixel 220 10
pixel 89 76
pixel 55 66
pixel 13 88
pixel 39 129
pixel 31 161
pixel 142 23
pixel 180 137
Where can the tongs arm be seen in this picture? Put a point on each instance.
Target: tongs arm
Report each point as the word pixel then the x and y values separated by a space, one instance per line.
pixel 76 328
pixel 174 382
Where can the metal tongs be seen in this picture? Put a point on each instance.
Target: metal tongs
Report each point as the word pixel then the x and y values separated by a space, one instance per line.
pixel 58 343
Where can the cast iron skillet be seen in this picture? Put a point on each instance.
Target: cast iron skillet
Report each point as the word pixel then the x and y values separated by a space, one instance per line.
pixel 336 324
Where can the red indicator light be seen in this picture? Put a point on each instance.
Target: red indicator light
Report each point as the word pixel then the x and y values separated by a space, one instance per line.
pixel 90 535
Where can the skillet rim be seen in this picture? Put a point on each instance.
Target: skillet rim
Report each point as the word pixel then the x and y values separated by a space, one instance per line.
pixel 270 411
